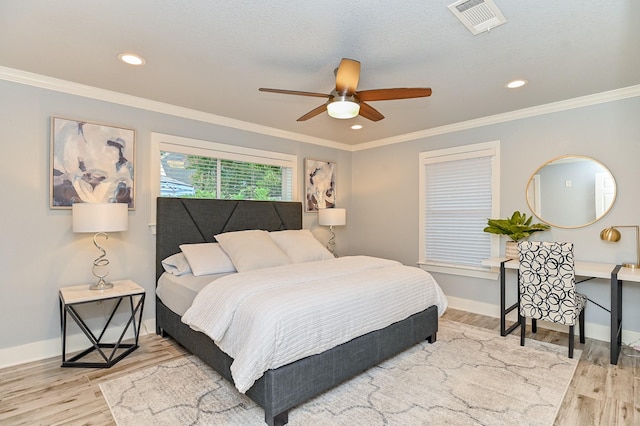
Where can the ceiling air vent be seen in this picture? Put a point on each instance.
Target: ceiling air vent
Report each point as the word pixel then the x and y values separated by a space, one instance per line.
pixel 477 15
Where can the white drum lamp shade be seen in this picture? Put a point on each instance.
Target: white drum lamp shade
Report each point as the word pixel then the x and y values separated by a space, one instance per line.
pixel 332 217
pixel 100 218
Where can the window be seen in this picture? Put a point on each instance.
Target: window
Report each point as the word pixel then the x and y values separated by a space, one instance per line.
pixel 183 167
pixel 458 192
pixel 201 176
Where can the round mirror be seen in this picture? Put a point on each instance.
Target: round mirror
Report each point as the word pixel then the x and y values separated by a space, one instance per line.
pixel 571 191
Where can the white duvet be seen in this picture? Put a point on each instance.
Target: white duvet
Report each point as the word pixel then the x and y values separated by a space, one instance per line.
pixel 270 317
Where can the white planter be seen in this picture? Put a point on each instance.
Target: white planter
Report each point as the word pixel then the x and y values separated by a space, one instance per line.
pixel 511 250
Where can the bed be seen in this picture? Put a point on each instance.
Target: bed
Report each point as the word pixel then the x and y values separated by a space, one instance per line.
pixel 193 221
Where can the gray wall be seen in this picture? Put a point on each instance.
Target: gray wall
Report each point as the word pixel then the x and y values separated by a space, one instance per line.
pixel 384 205
pixel 40 254
pixel 378 186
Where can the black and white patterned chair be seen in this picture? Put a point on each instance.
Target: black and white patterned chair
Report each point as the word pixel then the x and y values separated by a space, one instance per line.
pixel 547 287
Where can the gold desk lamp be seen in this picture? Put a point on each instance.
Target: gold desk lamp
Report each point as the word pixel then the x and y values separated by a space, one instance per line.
pixel 612 234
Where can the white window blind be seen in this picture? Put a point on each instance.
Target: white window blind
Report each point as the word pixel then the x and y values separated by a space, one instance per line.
pixel 457 195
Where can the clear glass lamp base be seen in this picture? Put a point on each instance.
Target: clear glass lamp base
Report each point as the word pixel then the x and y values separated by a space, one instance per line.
pixel 101 285
pixel 100 271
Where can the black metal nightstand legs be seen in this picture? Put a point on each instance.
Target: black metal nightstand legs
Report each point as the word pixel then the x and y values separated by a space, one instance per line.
pixel 110 358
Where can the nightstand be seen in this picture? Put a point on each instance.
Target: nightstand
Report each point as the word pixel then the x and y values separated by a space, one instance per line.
pixel 72 297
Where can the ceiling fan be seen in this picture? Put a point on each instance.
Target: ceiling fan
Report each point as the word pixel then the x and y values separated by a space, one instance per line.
pixel 345 101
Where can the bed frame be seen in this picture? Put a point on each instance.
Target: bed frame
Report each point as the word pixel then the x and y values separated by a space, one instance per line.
pixel 180 221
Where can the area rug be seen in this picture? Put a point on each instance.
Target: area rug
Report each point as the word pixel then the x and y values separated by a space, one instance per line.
pixel 470 376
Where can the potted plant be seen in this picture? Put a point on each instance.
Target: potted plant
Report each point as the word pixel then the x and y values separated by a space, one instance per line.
pixel 517 227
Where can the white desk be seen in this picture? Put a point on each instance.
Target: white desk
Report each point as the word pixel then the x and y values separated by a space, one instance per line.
pixel 615 273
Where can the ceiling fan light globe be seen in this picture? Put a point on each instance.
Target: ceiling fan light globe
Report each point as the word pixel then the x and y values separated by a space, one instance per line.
pixel 343 109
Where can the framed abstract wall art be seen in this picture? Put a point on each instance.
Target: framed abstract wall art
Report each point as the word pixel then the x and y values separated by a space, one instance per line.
pixel 91 163
pixel 319 184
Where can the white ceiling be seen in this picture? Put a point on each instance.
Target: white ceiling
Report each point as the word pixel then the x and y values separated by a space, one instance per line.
pixel 213 55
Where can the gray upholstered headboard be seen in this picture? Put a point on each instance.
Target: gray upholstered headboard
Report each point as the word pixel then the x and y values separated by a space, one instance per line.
pixel 189 220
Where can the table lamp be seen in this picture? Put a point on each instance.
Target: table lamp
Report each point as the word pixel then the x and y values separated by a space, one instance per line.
pixel 612 234
pixel 332 217
pixel 100 218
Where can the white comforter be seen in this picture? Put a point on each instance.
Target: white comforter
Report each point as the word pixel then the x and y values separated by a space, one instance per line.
pixel 271 317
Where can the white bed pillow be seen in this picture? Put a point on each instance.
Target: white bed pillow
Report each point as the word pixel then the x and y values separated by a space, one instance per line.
pixel 253 249
pixel 300 245
pixel 207 259
pixel 176 264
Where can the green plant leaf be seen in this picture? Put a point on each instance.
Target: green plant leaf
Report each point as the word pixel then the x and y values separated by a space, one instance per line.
pixel 517 227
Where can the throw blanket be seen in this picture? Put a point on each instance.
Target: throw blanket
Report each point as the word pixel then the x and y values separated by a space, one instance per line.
pixel 270 317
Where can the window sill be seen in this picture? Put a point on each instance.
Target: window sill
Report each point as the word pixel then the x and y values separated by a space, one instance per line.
pixel 459 270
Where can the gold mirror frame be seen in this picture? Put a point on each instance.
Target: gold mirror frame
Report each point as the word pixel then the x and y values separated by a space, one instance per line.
pixel 558 182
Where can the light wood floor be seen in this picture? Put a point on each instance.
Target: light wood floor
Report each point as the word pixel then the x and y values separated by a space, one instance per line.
pixel 43 393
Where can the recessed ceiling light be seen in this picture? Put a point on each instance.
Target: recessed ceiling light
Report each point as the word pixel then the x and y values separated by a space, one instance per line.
pixel 356 126
pixel 131 59
pixel 515 84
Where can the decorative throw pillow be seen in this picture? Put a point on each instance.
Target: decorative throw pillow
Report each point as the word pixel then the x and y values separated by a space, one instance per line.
pixel 253 249
pixel 207 259
pixel 176 264
pixel 300 245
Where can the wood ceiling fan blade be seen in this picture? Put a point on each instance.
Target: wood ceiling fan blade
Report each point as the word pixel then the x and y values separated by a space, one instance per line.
pixel 369 112
pixel 347 76
pixel 316 111
pixel 294 92
pixel 391 94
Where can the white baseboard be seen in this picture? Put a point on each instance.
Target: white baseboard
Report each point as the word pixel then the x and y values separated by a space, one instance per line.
pixel 592 330
pixel 52 348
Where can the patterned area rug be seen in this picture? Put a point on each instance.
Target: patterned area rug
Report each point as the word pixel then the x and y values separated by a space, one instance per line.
pixel 470 376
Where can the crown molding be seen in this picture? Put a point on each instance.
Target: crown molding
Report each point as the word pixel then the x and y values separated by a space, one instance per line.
pixel 63 86
pixel 567 104
pixel 68 87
